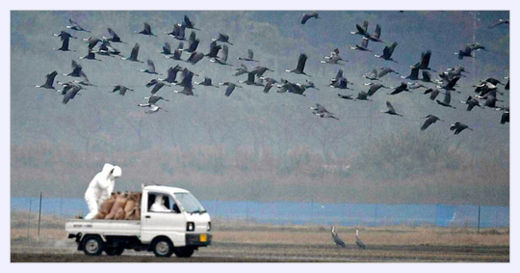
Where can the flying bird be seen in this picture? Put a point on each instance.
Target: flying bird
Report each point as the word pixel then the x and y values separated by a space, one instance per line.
pixel 390 110
pixel 172 74
pixel 230 88
pixel 166 49
pixel 223 38
pixel 178 32
pixel 414 73
pixel 122 89
pixel 193 43
pixel 151 67
pixel 195 57
pixel 363 46
pixel 361 30
pixel 387 52
pixel 223 58
pixel 187 83
pixel 466 52
pixel 70 91
pixel 90 56
pixel 114 37
pixel 153 99
pixel 301 65
pixel 206 82
pixel 425 60
pixel 384 71
pixel 77 70
pixel 157 84
pixel 75 26
pixel 376 36
pixel 188 23
pixel 133 54
pixel 430 119
pixel 154 108
pixel 447 100
pixel 260 70
pixel 471 102
pixel 307 16
pixel 499 22
pixel 49 80
pixel 402 87
pixel 147 30
pixel 458 127
pixel 333 58
pixel 178 52
pixel 65 38
pixel 249 57
pixel 373 88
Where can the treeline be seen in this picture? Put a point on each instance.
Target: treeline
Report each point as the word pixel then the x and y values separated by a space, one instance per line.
pixel 400 168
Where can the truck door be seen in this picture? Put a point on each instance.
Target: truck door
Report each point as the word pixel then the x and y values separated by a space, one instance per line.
pixel 162 218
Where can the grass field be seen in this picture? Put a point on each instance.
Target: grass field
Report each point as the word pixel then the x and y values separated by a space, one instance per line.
pixel 244 241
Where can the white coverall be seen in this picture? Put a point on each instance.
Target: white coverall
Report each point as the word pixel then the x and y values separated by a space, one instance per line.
pixel 158 205
pixel 100 188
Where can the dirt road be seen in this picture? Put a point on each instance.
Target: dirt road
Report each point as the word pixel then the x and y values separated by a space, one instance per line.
pixel 236 252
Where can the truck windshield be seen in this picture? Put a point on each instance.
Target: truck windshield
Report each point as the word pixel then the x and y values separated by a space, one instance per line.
pixel 190 203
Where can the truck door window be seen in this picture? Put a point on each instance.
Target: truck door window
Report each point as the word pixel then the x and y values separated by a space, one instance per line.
pixel 158 202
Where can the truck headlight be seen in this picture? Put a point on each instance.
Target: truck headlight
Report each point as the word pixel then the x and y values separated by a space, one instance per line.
pixel 190 226
pixel 209 226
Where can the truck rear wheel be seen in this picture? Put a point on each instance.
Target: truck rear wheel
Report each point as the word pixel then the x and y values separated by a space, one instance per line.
pixel 93 245
pixel 162 247
pixel 184 252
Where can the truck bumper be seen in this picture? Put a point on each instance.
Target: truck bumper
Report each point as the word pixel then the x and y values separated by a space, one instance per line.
pixel 200 239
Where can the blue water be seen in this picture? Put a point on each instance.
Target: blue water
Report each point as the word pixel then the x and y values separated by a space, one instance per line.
pixel 311 213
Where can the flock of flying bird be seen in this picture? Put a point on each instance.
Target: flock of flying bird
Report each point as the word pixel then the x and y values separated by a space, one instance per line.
pixel 420 74
pixel 486 90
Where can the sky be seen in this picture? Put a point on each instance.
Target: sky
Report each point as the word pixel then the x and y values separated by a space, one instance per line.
pixel 106 123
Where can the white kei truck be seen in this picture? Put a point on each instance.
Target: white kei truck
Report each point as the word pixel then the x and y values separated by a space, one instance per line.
pixel 180 231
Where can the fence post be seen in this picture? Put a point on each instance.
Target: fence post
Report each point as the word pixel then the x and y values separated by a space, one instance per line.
pixel 29 218
pixel 39 215
pixel 478 221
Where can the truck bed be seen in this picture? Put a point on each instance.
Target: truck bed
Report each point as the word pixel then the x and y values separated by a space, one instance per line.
pixel 104 227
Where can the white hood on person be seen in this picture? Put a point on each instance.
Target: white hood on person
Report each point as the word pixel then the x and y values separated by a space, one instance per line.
pixel 100 188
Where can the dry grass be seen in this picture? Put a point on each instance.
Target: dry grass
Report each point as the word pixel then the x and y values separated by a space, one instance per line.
pixel 264 242
pixel 52 228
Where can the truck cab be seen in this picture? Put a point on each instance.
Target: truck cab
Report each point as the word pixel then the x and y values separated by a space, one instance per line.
pixel 172 221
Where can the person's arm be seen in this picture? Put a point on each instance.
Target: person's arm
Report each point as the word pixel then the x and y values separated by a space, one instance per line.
pixel 110 187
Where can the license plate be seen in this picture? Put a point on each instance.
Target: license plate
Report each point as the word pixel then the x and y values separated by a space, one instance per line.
pixel 203 238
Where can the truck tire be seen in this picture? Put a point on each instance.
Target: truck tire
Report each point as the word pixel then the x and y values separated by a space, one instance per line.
pixel 114 251
pixel 162 247
pixel 184 252
pixel 93 245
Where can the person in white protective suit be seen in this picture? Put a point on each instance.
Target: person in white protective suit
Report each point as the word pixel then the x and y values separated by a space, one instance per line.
pixel 100 188
pixel 158 205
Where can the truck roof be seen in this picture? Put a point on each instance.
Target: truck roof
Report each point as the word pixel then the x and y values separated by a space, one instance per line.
pixel 163 188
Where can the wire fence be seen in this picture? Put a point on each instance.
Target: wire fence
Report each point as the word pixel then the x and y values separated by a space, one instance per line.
pixel 300 213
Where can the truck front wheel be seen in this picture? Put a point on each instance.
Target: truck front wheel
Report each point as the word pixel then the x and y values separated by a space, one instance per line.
pixel 93 245
pixel 184 252
pixel 162 247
